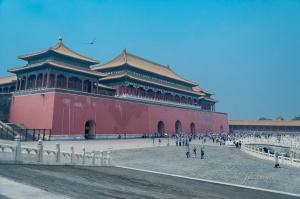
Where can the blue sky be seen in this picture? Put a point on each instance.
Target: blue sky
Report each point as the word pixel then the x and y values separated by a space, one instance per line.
pixel 247 52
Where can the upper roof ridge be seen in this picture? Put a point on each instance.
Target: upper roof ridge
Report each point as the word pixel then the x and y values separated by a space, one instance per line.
pixel 152 62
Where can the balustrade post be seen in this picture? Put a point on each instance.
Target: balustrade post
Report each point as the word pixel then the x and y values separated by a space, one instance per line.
pixel 108 158
pixel 57 152
pixel 72 154
pixel 101 157
pixel 94 154
pixel 268 154
pixel 282 157
pixel 18 149
pixel 41 151
pixel 83 155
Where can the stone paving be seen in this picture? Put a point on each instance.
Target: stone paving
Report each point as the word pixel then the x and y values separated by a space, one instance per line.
pixel 221 163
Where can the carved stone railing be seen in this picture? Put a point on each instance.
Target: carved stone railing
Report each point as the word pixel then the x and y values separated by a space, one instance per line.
pixel 15 153
pixel 249 146
pixel 256 152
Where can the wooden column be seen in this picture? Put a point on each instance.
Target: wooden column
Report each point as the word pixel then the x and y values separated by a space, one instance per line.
pixel 82 83
pixel 55 80
pixel 67 82
pixel 20 84
pixel 17 82
pixel 92 87
pixel 43 79
pixel 26 81
pixel 35 82
pixel 97 88
pixel 48 78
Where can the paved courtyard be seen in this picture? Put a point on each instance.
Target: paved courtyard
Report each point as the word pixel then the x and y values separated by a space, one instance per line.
pixel 221 163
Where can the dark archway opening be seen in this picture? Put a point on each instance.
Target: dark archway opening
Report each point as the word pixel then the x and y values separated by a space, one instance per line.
pixel 90 129
pixel 161 129
pixel 221 129
pixel 178 128
pixel 193 129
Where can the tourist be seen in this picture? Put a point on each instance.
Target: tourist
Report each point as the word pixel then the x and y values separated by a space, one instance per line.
pixel 168 142
pixel 159 140
pixel 176 142
pixel 183 142
pixel 187 152
pixel 202 153
pixel 195 152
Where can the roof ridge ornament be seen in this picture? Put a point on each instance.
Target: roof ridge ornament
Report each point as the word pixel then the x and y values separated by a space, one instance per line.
pixel 60 39
pixel 124 53
pixel 168 66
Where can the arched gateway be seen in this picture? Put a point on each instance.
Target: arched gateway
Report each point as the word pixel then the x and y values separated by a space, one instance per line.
pixel 178 128
pixel 193 129
pixel 160 128
pixel 90 129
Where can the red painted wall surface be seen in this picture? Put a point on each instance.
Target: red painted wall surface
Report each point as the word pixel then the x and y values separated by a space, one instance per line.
pixel 67 114
pixel 34 111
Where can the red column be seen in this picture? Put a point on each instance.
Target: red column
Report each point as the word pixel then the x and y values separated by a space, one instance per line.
pixel 136 91
pixel 67 82
pixel 17 82
pixel 55 80
pixel 35 82
pixel 82 83
pixel 92 87
pixel 48 77
pixel 97 88
pixel 43 79
pixel 26 81
pixel 20 84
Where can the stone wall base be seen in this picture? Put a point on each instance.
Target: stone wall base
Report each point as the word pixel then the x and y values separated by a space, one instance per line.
pixel 95 137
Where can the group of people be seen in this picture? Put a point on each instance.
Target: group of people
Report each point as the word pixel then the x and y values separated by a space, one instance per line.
pixel 194 152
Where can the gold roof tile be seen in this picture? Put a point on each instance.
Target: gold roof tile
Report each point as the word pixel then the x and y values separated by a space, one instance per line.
pixel 8 79
pixel 142 64
pixel 60 48
pixel 59 65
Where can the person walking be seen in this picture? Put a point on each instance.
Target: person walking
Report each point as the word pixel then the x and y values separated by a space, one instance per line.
pixel 195 152
pixel 202 153
pixel 187 152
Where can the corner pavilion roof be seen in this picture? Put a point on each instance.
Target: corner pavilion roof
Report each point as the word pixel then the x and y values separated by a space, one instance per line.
pixel 60 48
pixel 8 79
pixel 58 65
pixel 142 64
pixel 265 122
pixel 198 89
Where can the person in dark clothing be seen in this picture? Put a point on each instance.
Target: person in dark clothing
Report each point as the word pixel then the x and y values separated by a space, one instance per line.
pixel 202 153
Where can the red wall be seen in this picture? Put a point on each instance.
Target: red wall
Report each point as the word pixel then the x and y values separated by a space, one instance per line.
pixel 34 111
pixel 67 114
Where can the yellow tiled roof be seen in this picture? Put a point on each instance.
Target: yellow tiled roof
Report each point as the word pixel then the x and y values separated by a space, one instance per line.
pixel 208 99
pixel 142 64
pixel 198 89
pixel 60 48
pixel 8 79
pixel 265 122
pixel 149 81
pixel 59 65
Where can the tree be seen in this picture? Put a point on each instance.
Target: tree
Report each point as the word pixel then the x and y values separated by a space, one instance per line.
pixel 263 118
pixel 280 118
pixel 297 117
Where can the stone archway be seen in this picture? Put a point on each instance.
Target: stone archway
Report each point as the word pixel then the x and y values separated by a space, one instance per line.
pixel 193 128
pixel 160 128
pixel 178 128
pixel 90 129
pixel 221 129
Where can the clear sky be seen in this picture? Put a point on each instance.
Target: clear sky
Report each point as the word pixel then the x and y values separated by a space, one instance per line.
pixel 246 52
